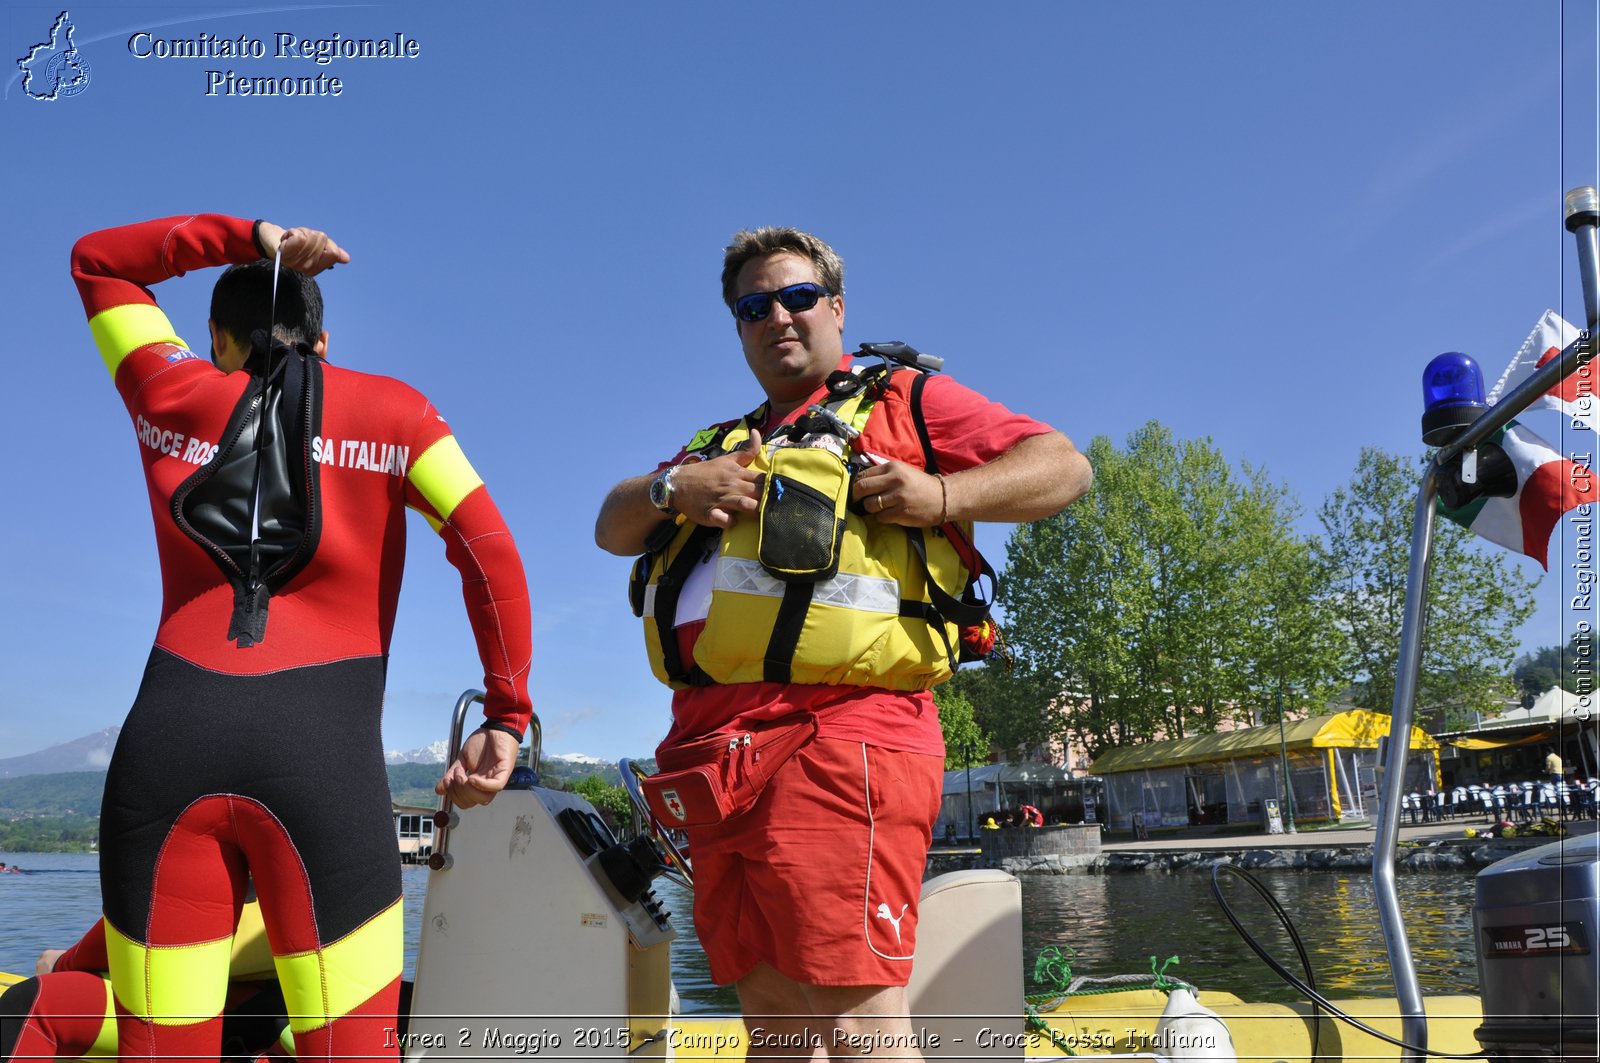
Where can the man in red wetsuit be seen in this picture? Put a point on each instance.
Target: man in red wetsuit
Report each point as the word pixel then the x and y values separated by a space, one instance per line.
pixel 253 749
pixel 807 902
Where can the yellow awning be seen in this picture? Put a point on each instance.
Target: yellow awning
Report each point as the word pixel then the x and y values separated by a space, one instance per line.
pixel 1354 729
pixel 1490 743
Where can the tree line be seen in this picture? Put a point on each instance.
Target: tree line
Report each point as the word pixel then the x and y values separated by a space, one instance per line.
pixel 1177 596
pixel 61 812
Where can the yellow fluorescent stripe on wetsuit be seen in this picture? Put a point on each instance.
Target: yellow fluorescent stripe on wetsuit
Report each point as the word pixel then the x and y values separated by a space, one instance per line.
pixel 175 986
pixel 350 971
pixel 444 476
pixel 105 1044
pixel 252 955
pixel 124 329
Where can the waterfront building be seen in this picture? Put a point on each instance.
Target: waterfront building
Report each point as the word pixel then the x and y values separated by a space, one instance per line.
pixel 1223 778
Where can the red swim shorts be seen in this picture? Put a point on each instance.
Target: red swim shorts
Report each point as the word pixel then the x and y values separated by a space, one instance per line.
pixel 820 879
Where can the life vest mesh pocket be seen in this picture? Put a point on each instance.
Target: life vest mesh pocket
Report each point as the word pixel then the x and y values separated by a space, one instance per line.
pixel 802 514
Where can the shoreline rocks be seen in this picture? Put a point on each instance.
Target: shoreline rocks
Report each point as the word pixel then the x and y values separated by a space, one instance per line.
pixel 1443 856
pixel 1446 856
pixel 1077 852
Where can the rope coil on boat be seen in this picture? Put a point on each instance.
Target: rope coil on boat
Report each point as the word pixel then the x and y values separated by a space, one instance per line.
pixel 1053 969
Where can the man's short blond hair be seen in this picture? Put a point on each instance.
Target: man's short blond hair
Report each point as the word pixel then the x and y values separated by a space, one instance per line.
pixel 771 240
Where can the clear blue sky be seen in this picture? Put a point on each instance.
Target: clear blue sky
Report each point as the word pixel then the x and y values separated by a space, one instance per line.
pixel 1255 221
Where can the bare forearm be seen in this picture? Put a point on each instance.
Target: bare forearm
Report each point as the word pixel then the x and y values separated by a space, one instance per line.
pixel 627 517
pixel 713 493
pixel 1037 478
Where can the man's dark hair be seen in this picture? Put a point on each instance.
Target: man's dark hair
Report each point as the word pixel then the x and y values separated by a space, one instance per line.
pixel 239 303
pixel 772 240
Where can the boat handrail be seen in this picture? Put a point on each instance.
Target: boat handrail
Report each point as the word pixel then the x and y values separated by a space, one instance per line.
pixel 645 822
pixel 447 816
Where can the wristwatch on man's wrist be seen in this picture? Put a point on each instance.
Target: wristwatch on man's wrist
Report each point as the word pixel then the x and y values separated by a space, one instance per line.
pixel 661 491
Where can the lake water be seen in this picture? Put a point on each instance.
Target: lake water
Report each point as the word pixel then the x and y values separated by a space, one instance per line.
pixel 1113 923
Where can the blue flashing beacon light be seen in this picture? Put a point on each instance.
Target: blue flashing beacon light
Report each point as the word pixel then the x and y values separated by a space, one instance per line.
pixel 1452 397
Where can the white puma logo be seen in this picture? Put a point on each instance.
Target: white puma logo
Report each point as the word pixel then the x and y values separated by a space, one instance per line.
pixel 884 913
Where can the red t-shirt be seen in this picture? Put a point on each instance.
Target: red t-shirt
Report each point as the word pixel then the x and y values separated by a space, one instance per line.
pixel 966 430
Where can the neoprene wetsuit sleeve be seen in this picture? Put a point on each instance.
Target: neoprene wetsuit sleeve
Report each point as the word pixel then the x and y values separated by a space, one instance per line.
pixel 113 269
pixel 442 485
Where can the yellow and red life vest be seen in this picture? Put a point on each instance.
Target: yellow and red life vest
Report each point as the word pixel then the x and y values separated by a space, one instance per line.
pixel 889 616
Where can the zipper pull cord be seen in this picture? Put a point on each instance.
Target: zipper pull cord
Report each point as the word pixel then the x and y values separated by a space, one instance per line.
pixel 253 578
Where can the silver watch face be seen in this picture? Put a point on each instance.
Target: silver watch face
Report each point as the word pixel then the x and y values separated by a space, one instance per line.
pixel 660 492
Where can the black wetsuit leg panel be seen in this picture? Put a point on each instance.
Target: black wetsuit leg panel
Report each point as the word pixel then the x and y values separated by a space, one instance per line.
pixel 304 743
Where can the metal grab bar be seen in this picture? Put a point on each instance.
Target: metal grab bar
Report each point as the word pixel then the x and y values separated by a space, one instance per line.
pixel 447 816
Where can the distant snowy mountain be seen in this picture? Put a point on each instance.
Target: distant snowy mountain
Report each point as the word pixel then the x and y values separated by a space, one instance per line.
pixel 89 753
pixel 93 753
pixel 432 753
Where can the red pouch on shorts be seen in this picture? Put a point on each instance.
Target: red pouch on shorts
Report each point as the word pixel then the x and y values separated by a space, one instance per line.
pixel 719 777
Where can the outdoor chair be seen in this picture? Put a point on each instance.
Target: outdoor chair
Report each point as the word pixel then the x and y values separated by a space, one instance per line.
pixel 1520 803
pixel 1485 798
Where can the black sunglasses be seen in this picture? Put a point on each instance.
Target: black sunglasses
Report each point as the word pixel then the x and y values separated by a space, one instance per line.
pixel 795 298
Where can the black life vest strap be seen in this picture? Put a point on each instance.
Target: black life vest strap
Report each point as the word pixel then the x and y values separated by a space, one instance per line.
pixel 791 620
pixel 966 610
pixel 943 607
pixel 930 463
pixel 925 612
pixel 668 589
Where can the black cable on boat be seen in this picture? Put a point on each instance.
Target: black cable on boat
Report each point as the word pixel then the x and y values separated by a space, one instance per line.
pixel 1307 987
pixel 1294 937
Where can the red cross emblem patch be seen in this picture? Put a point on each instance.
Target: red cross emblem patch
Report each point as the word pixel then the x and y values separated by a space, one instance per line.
pixel 674 804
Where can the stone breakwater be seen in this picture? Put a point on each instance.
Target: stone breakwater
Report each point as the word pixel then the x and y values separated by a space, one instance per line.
pixel 1463 855
pixel 1443 857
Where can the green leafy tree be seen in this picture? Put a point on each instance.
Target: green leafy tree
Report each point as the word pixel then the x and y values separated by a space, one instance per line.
pixel 1292 659
pixel 1534 673
pixel 1571 667
pixel 965 743
pixel 49 834
pixel 611 801
pixel 1477 598
pixel 1004 709
pixel 1168 600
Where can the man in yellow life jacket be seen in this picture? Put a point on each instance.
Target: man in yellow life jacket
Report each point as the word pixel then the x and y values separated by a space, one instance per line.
pixel 802 599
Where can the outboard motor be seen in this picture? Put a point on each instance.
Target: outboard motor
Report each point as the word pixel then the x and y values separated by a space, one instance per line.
pixel 1537 921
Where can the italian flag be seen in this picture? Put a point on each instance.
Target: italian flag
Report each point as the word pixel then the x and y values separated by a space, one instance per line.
pixel 1574 396
pixel 1548 485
